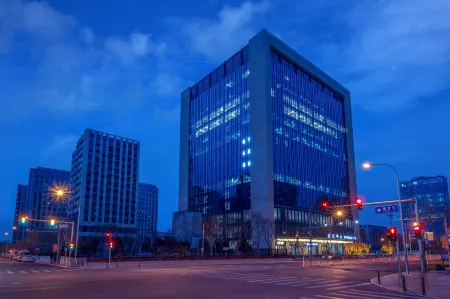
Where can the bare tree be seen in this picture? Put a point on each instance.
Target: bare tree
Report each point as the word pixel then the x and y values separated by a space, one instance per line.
pixel 269 232
pixel 213 232
pixel 258 227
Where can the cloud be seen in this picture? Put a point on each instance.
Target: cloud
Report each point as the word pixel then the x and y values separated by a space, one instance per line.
pixel 60 144
pixel 138 45
pixel 219 38
pixel 35 19
pixel 169 115
pixel 398 52
pixel 70 70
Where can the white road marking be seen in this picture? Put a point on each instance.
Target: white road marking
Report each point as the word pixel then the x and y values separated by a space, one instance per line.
pixel 46 271
pixel 23 272
pixel 34 271
pixel 330 285
pixel 378 294
pixel 349 286
pixel 10 272
pixel 329 297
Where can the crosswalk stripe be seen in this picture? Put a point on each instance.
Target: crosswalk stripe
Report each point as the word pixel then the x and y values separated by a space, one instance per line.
pixel 330 285
pixel 10 272
pixel 353 295
pixel 376 294
pixel 34 271
pixel 23 272
pixel 46 271
pixel 348 286
pixel 329 297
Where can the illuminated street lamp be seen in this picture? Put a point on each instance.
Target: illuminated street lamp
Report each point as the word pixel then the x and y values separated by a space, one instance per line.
pixel 6 234
pixel 368 165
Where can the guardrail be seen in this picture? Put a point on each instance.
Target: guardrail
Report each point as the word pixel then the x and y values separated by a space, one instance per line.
pixel 43 259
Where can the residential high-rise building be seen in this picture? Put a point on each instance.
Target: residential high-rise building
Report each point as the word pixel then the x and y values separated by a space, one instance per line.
pixel 21 202
pixel 41 202
pixel 104 181
pixel 147 215
pixel 268 132
pixel 432 198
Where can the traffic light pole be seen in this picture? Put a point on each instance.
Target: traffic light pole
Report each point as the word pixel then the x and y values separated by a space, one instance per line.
pixel 423 265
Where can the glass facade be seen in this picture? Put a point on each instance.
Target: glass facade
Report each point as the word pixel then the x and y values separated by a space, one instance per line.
pixel 219 140
pixel 309 144
pixel 432 195
pixel 267 133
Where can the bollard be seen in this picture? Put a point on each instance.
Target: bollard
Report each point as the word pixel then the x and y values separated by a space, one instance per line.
pixel 423 286
pixel 379 278
pixel 404 283
pixel 117 265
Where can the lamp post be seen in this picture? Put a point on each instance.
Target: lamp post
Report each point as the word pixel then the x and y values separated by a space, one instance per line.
pixel 369 165
pixel 62 193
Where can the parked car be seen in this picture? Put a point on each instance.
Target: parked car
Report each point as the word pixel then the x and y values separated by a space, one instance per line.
pixel 28 259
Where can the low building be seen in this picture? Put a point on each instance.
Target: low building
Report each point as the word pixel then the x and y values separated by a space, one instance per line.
pixel 374 235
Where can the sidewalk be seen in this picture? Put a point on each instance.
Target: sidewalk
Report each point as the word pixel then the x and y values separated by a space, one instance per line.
pixel 187 263
pixel 437 284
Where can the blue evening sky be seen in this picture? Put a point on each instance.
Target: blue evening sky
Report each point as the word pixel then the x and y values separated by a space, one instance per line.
pixel 119 66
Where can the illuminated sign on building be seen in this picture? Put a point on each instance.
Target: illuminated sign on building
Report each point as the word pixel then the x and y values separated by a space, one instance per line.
pixel 342 237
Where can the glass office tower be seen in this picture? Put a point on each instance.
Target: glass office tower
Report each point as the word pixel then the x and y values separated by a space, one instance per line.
pixel 432 198
pixel 267 132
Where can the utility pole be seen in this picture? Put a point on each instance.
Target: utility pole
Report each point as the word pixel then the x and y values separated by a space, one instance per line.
pixel 203 239
pixel 423 266
pixel 310 231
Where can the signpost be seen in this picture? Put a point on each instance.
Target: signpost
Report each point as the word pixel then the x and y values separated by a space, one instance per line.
pixel 386 209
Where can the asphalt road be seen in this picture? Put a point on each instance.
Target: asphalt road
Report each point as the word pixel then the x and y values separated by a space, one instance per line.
pixel 261 281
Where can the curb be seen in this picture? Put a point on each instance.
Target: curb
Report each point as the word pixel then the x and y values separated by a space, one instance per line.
pixel 374 282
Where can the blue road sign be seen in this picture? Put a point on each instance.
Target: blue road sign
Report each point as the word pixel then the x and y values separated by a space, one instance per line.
pixel 386 209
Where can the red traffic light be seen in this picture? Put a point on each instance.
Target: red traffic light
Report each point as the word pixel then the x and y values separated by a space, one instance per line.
pixel 108 234
pixel 392 233
pixel 359 203
pixel 325 205
pixel 417 230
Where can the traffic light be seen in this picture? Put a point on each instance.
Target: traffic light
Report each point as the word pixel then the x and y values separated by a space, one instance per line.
pixel 324 205
pixel 111 244
pixel 108 235
pixel 52 222
pixel 417 230
pixel 392 233
pixel 359 203
pixel 71 246
pixel 23 220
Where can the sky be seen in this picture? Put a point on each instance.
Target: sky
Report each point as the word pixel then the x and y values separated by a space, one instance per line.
pixel 119 66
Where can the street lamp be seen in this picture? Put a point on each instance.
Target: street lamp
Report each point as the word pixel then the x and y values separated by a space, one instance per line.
pixel 368 165
pixel 61 193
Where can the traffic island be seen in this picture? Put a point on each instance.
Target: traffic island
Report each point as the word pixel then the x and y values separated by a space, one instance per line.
pixel 431 285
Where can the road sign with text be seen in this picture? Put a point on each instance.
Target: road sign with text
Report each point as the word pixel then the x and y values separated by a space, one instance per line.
pixel 386 209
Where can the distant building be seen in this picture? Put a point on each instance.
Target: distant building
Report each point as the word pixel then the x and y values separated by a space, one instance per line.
pixel 374 235
pixel 147 215
pixel 104 180
pixel 41 202
pixel 267 133
pixel 186 225
pixel 21 202
pixel 433 199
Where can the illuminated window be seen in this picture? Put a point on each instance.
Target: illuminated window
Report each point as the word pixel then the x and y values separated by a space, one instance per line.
pixel 243 164
pixel 243 153
pixel 243 141
pixel 249 163
pixel 248 151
